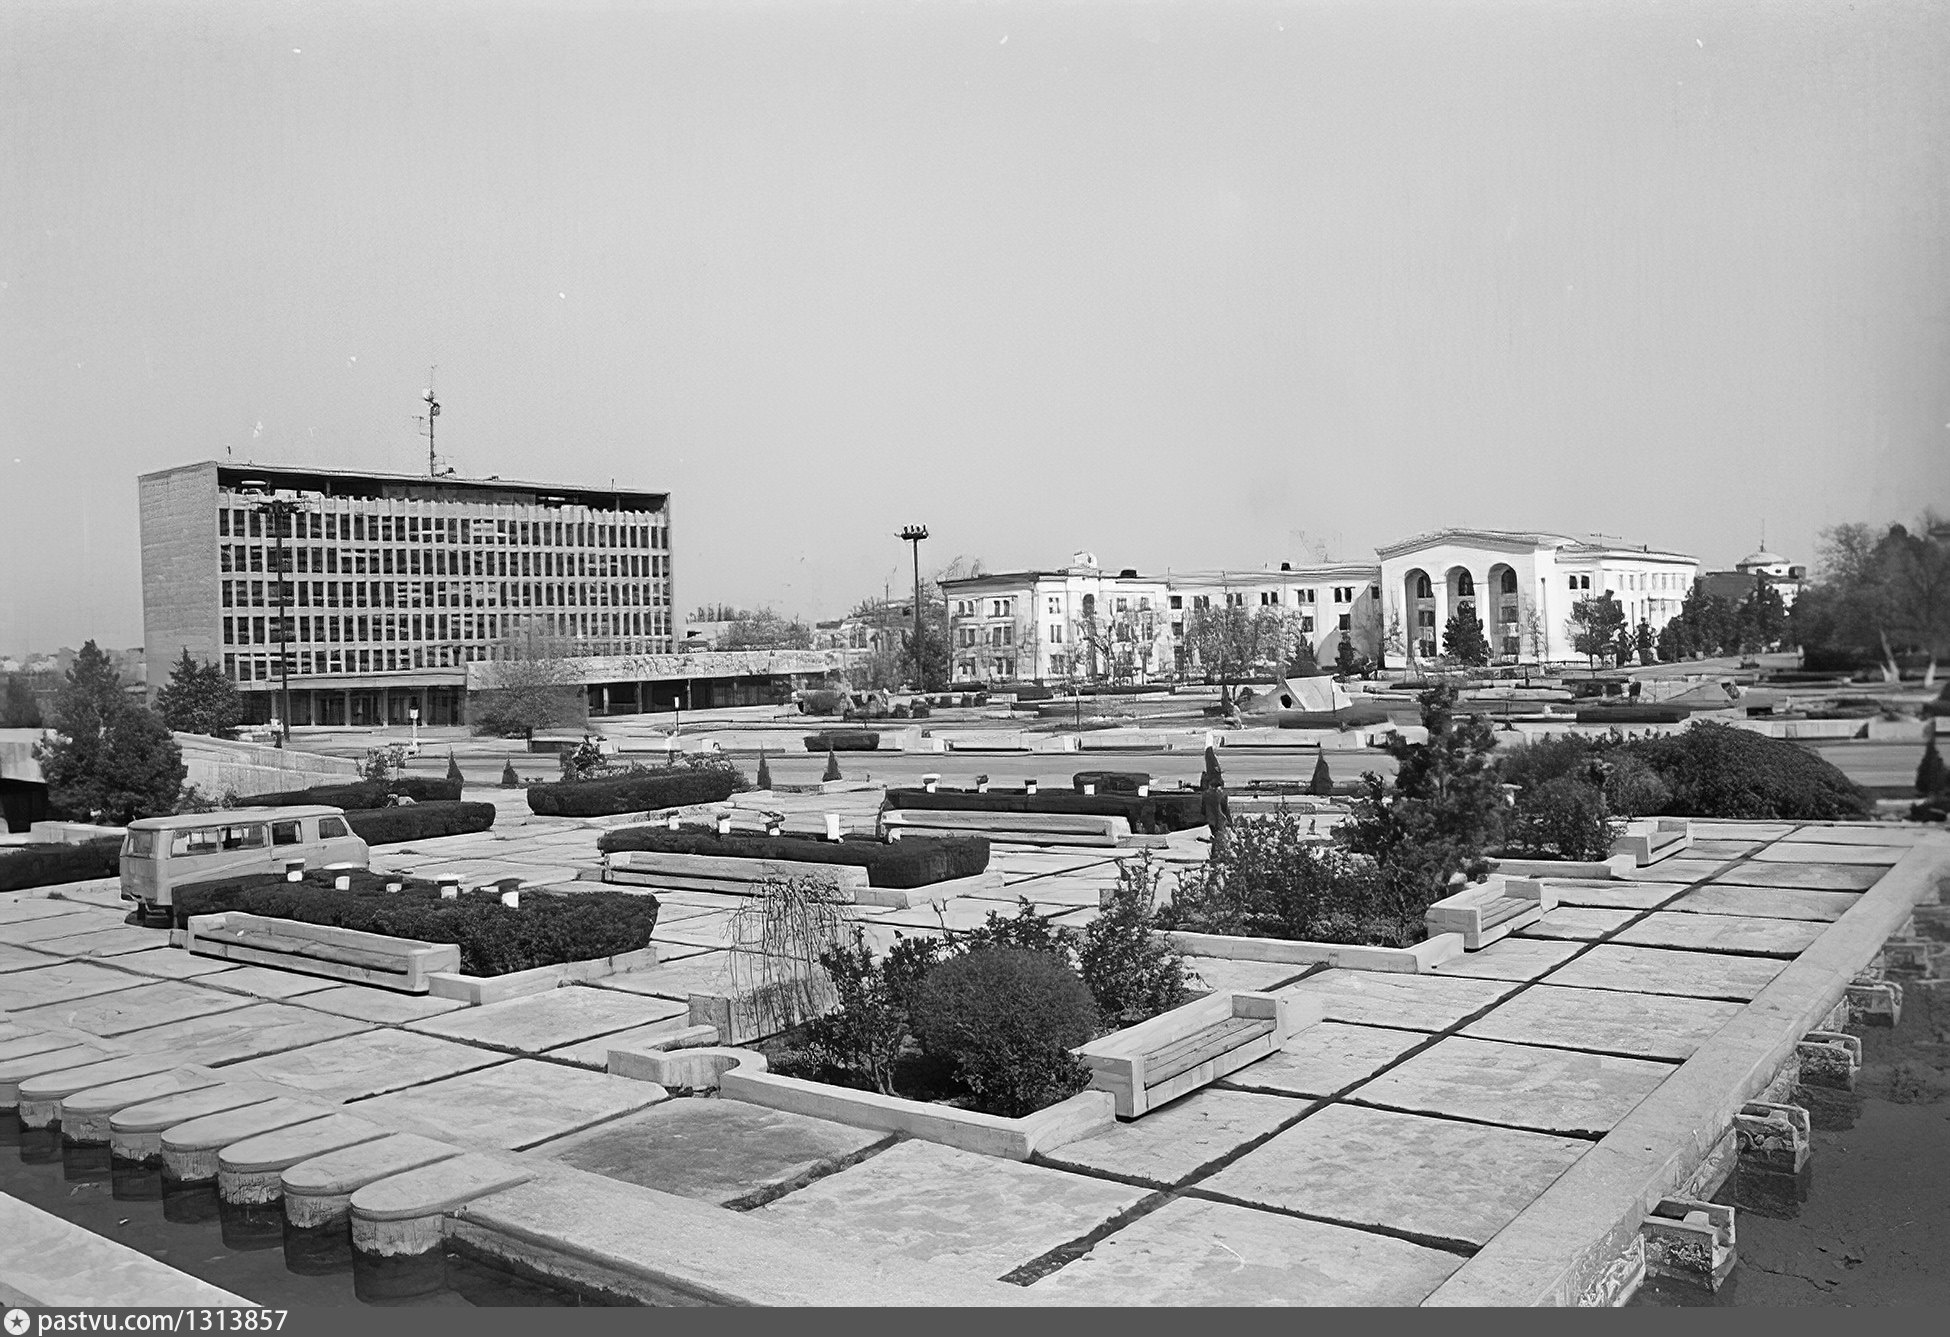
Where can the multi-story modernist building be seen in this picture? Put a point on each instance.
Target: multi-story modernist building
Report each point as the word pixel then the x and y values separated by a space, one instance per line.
pixel 392 584
pixel 1521 586
pixel 1077 621
pixel 1320 602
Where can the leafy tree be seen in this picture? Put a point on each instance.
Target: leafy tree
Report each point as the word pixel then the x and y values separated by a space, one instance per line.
pixel 1231 640
pixel 1463 639
pixel 1594 625
pixel 1761 621
pixel 1347 663
pixel 18 707
pixel 198 698
pixel 1644 644
pixel 535 687
pixel 109 757
pixel 764 771
pixel 1443 809
pixel 766 630
pixel 935 665
pixel 1302 662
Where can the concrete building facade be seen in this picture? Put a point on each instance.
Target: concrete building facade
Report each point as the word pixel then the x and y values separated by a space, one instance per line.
pixel 392 583
pixel 1077 621
pixel 1320 602
pixel 1522 587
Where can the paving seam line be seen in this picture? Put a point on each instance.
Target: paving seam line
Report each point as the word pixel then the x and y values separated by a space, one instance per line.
pixel 1597 1203
pixel 1442 1243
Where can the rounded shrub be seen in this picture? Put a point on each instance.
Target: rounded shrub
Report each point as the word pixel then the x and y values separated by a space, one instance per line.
pixel 1716 770
pixel 1008 1018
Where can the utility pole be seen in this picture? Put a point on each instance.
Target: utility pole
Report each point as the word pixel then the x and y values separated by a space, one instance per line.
pixel 913 534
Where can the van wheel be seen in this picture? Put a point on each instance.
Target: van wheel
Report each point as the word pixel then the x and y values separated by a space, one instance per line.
pixel 160 917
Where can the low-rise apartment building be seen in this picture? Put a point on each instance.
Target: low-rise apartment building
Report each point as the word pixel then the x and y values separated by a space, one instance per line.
pixel 1078 621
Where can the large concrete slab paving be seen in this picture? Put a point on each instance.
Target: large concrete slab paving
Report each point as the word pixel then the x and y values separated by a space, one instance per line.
pixel 264 982
pixel 707 972
pixel 1512 959
pixel 1863 833
pixel 1722 849
pixel 1766 902
pixel 55 1264
pixel 26 1046
pixel 1615 895
pixel 1811 876
pixel 1661 970
pixel 119 940
pixel 1678 868
pixel 172 963
pixel 368 1064
pixel 1168 1145
pixel 721 1151
pixel 1392 998
pixel 1192 1252
pixel 85 1115
pixel 132 1009
pixel 380 1006
pixel 1326 1057
pixel 923 1201
pixel 53 1084
pixel 342 1172
pixel 29 1066
pixel 135 1131
pixel 1659 1026
pixel 1577 923
pixel 511 1106
pixel 1806 852
pixel 190 1149
pixel 1518 1086
pixel 1723 933
pixel 1440 1179
pixel 64 980
pixel 712 930
pixel 21 958
pixel 26 911
pixel 77 920
pixel 1732 830
pixel 594 1053
pixel 245 1032
pixel 549 1020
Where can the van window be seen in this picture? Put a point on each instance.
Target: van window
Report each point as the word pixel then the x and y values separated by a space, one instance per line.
pixel 141 845
pixel 243 837
pixel 199 841
pixel 284 833
pixel 331 826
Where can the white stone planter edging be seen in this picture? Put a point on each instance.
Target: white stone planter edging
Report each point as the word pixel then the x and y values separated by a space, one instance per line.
pixel 1612 869
pixel 742 1076
pixel 1422 957
pixel 476 990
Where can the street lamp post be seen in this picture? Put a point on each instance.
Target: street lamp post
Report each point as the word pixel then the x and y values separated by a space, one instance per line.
pixel 278 510
pixel 914 534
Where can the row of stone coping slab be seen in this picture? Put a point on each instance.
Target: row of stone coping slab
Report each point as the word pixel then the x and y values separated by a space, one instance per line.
pixel 1557 1250
pixel 55 1264
pixel 637 1243
pixel 740 1074
pixel 1617 866
pixel 476 990
pixel 745 877
pixel 1419 959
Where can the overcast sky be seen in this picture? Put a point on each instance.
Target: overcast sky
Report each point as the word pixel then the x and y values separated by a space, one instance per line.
pixel 1187 285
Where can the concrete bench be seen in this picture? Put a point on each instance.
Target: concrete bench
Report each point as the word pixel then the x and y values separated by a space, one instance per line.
pixel 1650 839
pixel 320 949
pixel 1486 911
pixel 1155 1061
pixel 739 877
pixel 1026 828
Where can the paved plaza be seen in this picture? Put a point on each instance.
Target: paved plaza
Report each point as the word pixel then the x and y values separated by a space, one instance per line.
pixel 1418 1145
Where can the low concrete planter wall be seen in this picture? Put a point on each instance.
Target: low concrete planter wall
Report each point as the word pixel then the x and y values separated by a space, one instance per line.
pixel 1618 866
pixel 1080 1116
pixel 1414 960
pixel 478 989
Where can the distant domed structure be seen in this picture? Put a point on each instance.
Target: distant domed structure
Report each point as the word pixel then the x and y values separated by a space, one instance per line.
pixel 1762 560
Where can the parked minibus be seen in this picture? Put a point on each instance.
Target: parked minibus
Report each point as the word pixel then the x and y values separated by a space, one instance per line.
pixel 160 854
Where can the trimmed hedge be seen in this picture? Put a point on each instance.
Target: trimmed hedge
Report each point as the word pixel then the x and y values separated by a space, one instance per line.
pixel 1716 770
pixel 49 865
pixel 1153 815
pixel 1348 717
pixel 361 794
pixel 419 821
pixel 911 861
pixel 1110 782
pixel 843 740
pixel 1648 714
pixel 549 929
pixel 664 787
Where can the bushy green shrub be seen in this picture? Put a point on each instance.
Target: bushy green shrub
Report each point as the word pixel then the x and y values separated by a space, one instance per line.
pixel 821 701
pixel 1269 880
pixel 1008 1018
pixel 548 929
pixel 863 1036
pixel 1131 972
pixel 50 865
pixel 911 861
pixel 1632 787
pixel 640 791
pixel 419 821
pixel 362 795
pixel 1566 818
pixel 1716 770
pixel 843 740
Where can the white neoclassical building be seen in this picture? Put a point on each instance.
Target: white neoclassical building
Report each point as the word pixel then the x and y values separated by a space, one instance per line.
pixel 1521 586
pixel 1077 621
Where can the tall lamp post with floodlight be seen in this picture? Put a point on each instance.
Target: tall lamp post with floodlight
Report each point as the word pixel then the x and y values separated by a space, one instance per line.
pixel 278 512
pixel 914 534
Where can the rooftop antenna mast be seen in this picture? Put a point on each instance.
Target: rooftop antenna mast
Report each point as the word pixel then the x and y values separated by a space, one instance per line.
pixel 433 411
